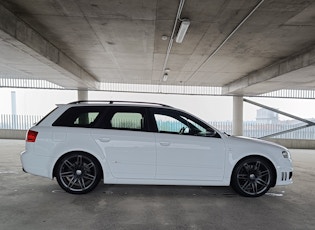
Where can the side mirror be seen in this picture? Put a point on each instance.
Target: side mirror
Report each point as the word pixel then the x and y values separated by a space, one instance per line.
pixel 211 133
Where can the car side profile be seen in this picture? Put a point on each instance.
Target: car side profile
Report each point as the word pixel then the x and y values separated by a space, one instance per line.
pixel 83 142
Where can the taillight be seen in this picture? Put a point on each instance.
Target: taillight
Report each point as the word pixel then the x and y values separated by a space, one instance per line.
pixel 31 136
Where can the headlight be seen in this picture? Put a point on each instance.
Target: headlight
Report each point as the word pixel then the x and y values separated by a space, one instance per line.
pixel 286 154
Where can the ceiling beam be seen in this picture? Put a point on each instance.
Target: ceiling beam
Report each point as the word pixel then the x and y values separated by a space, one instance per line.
pixel 21 36
pixel 249 85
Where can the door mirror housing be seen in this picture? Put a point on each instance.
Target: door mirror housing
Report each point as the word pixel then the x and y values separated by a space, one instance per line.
pixel 211 133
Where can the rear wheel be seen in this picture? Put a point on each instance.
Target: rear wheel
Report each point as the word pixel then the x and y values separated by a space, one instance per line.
pixel 78 173
pixel 252 177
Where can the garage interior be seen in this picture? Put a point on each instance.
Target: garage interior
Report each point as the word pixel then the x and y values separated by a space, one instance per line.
pixel 238 48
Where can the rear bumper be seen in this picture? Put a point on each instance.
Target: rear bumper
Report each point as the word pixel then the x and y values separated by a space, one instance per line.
pixel 36 164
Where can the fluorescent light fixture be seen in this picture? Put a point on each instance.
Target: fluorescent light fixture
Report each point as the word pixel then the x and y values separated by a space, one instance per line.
pixel 182 30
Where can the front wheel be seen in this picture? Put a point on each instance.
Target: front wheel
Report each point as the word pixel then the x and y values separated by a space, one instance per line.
pixel 78 173
pixel 252 177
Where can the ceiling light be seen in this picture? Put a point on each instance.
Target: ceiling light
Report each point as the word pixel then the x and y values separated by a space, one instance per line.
pixel 164 37
pixel 182 30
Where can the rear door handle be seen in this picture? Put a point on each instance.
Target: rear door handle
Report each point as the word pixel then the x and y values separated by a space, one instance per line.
pixel 164 143
pixel 104 139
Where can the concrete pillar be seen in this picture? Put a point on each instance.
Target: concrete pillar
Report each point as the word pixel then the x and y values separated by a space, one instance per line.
pixel 13 109
pixel 83 95
pixel 13 103
pixel 237 116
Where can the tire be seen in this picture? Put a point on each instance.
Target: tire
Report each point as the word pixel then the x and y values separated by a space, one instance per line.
pixel 252 177
pixel 78 173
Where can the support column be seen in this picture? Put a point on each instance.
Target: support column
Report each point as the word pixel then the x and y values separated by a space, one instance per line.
pixel 83 95
pixel 13 109
pixel 237 116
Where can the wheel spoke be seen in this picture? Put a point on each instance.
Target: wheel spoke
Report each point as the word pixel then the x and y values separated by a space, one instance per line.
pixel 257 165
pixel 89 166
pixel 72 182
pixel 89 176
pixel 81 183
pixel 262 182
pixel 247 167
pixel 246 185
pixel 254 187
pixel 69 164
pixel 66 174
pixel 242 176
pixel 264 173
pixel 79 160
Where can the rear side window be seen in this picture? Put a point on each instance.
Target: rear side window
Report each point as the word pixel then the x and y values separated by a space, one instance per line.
pixel 85 116
pixel 127 120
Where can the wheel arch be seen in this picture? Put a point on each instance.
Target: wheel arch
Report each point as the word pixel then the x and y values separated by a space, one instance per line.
pixel 78 151
pixel 262 157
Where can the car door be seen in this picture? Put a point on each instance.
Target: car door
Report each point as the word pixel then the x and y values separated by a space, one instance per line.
pixel 187 149
pixel 128 147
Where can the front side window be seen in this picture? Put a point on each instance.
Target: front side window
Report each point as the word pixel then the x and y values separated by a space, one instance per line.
pixel 174 122
pixel 167 124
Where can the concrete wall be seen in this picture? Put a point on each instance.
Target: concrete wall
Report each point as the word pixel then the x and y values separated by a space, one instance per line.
pixel 12 134
pixel 294 143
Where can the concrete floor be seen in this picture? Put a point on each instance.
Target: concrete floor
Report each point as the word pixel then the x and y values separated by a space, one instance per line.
pixel 31 202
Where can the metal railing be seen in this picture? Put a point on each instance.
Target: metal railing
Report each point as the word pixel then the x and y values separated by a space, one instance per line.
pixel 19 122
pixel 258 129
pixel 27 83
pixel 160 88
pixel 290 93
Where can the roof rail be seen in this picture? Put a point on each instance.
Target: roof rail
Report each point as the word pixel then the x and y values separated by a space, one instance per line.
pixel 114 102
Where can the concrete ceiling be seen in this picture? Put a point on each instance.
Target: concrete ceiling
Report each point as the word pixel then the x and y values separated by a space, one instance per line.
pixel 80 43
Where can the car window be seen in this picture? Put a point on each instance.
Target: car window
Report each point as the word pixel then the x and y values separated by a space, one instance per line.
pixel 168 124
pixel 79 117
pixel 127 120
pixel 175 122
pixel 86 118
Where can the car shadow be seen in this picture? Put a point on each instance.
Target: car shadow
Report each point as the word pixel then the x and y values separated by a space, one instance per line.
pixel 165 190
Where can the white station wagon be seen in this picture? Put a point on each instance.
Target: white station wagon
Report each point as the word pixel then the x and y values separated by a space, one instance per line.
pixel 146 143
